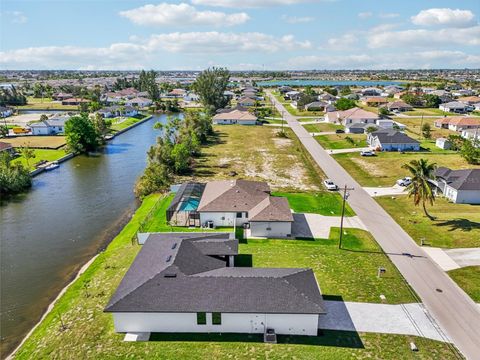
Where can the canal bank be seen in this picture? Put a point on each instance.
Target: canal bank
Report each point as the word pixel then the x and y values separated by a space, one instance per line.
pixel 67 217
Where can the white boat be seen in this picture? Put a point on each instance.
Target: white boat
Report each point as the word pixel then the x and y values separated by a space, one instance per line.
pixel 109 137
pixel 52 165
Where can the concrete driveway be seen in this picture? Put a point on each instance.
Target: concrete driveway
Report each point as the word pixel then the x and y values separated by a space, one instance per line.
pixel 385 191
pixel 318 226
pixel 404 319
pixel 451 259
pixel 342 151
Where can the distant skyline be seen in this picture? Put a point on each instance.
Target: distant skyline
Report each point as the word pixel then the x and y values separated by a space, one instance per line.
pixel 239 34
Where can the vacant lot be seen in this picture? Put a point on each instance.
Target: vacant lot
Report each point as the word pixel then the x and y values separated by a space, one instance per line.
pixel 257 153
pixel 342 141
pixel 455 226
pixel 321 127
pixel 45 104
pixel 41 154
pixel 40 142
pixel 323 203
pixel 414 127
pixel 297 112
pixel 385 168
pixel 87 332
pixel 468 278
pixel 427 112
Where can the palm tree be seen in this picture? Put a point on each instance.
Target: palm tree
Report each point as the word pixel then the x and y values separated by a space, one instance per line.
pixel 421 189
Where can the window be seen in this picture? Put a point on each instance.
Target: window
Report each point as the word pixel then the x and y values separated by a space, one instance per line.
pixel 217 318
pixel 201 318
pixel 239 215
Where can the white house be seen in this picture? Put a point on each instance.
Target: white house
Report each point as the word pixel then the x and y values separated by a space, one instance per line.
pixel 352 116
pixel 392 140
pixel 52 126
pixel 5 111
pixel 472 134
pixel 139 102
pixel 235 117
pixel 189 97
pixel 187 283
pixel 459 186
pixel 455 107
pixel 443 143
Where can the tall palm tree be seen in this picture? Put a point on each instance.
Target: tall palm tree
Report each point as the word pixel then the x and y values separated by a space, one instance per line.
pixel 421 189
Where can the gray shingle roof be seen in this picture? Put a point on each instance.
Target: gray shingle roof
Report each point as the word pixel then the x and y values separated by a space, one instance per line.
pixel 271 208
pixel 393 137
pixel 466 179
pixel 204 283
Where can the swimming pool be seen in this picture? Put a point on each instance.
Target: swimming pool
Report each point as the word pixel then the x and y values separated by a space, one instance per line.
pixel 189 205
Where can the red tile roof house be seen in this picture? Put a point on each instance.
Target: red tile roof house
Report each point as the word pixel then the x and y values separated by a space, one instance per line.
pixel 246 101
pixel 138 101
pixel 442 123
pixel 458 123
pixel 352 116
pixel 374 101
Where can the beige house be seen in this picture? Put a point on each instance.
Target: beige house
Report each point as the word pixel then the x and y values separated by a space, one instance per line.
pixel 352 116
pixel 235 117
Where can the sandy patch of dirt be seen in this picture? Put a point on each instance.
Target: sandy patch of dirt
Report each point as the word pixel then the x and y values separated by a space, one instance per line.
pixel 282 142
pixel 369 167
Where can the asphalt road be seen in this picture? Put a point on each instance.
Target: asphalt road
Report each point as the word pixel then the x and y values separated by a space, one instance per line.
pixel 454 311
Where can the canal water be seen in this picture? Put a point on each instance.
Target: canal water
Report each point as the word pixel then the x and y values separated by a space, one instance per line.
pixel 67 217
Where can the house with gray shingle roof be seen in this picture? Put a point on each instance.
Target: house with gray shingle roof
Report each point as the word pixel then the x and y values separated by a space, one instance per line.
pixel 459 186
pixel 392 140
pixel 187 283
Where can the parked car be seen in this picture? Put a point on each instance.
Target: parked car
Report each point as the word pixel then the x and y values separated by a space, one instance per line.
pixel 367 153
pixel 339 131
pixel 405 181
pixel 330 185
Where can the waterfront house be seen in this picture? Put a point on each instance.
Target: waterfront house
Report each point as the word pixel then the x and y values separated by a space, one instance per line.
pixel 371 91
pixel 51 126
pixel 392 140
pixel 232 203
pixel 177 93
pixel 6 147
pixel 5 111
pixel 188 283
pixel 235 117
pixel 116 110
pixel 374 101
pixel 459 186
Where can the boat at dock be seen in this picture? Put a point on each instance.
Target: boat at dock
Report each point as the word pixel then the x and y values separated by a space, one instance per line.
pixel 53 165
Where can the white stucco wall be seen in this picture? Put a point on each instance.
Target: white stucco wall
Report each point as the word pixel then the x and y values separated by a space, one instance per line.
pixel 40 131
pixel 218 218
pixel 466 197
pixel 277 229
pixel 293 324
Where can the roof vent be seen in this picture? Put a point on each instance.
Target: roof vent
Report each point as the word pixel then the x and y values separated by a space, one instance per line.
pixel 169 257
pixel 170 275
pixel 174 246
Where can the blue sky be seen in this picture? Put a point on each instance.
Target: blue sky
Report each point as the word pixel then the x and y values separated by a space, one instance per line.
pixel 239 34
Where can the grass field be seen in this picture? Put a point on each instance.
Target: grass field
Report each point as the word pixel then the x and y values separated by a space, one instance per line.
pixel 455 226
pixel 323 203
pixel 45 104
pixel 339 141
pixel 257 153
pixel 44 142
pixel 321 127
pixel 297 112
pixel 88 331
pixel 414 127
pixel 41 154
pixel 428 112
pixel 385 168
pixel 122 123
pixel 468 278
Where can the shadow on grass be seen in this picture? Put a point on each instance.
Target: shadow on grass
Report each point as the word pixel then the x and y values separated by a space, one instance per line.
pixel 347 339
pixel 244 260
pixel 460 224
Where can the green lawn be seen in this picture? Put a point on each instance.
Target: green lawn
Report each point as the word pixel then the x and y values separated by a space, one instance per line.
pixel 118 124
pixel 339 141
pixel 297 112
pixel 321 127
pixel 385 168
pixel 455 226
pixel 41 154
pixel 414 127
pixel 88 331
pixel 275 121
pixel 323 203
pixel 427 112
pixel 468 278
pixel 157 222
pixel 45 104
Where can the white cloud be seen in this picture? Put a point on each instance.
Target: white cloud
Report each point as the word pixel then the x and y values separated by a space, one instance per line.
pixel 444 17
pixel 388 15
pixel 252 3
pixel 119 55
pixel 220 43
pixel 425 38
pixel 365 15
pixel 297 19
pixel 181 15
pixel 343 42
pixel 15 17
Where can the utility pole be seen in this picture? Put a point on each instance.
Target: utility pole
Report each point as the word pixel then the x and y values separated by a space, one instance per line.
pixel 421 125
pixel 282 120
pixel 345 196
